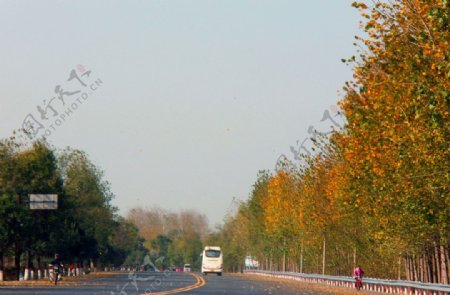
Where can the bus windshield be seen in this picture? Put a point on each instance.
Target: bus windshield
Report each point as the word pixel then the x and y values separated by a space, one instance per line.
pixel 212 253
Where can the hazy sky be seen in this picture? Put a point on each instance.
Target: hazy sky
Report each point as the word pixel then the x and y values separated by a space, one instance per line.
pixel 196 96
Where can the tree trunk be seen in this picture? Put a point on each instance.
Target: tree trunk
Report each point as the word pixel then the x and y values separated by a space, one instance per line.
pixel 415 268
pixel 301 258
pixel 17 250
pixel 318 263
pixel 17 255
pixel 428 268
pixel 407 268
pixel 420 269
pixel 405 259
pixel 1 266
pixel 433 271
pixel 323 256
pixel 447 255
pixel 438 263
pixel 411 268
pixel 29 260
pixel 444 264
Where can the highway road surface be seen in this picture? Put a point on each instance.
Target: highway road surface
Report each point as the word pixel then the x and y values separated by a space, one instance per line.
pixel 169 283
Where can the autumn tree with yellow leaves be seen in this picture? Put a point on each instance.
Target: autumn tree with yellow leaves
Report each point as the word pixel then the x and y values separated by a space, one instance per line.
pixel 377 193
pixel 396 142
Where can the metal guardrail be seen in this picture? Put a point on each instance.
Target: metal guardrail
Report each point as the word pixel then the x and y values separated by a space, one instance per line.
pixel 369 284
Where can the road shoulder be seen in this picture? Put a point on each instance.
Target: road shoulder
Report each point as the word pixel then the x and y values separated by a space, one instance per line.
pixel 301 286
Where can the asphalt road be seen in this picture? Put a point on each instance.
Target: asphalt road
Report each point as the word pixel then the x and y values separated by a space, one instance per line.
pixel 166 283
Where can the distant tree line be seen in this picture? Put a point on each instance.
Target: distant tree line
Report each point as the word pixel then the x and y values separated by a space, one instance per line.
pixel 85 229
pixel 377 192
pixel 172 238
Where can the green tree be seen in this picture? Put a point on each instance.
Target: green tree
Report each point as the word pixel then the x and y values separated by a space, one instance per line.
pixel 91 216
pixel 27 170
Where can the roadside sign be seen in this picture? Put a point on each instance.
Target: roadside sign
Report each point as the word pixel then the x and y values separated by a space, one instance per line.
pixel 43 202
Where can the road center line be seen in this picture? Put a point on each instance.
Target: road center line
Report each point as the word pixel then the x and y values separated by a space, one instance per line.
pixel 200 283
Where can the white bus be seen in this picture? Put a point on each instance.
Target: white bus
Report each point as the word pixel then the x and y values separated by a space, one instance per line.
pixel 212 260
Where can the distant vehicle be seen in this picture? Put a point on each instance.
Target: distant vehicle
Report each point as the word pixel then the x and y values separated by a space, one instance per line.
pixel 212 260
pixel 250 262
pixel 187 268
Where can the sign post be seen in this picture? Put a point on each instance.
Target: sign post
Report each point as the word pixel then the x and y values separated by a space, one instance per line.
pixel 43 202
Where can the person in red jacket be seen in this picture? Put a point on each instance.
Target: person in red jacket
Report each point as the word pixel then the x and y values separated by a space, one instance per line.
pixel 358 273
